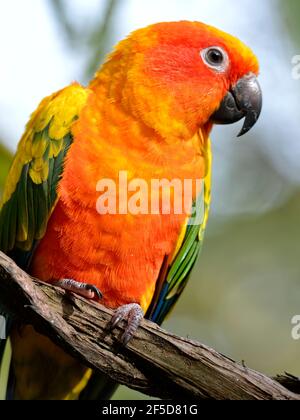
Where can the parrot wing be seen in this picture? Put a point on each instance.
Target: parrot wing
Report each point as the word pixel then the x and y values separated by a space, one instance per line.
pixel 30 194
pixel 177 268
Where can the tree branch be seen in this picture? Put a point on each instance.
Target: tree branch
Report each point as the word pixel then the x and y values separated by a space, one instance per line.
pixel 156 363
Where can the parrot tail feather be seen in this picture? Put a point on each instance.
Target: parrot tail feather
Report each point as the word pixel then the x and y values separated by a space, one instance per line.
pixel 99 388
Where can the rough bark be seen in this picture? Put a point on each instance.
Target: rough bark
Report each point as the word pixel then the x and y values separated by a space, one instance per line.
pixel 155 362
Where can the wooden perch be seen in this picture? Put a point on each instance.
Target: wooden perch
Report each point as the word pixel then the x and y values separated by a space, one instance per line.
pixel 155 362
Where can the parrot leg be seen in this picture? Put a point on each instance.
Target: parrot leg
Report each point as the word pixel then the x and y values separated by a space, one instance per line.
pixel 83 289
pixel 133 314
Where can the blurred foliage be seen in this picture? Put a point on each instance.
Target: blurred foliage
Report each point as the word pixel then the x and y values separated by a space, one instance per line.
pixel 94 38
pixel 290 16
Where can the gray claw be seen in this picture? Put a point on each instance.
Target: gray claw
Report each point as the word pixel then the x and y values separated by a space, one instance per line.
pixel 94 289
pixel 115 321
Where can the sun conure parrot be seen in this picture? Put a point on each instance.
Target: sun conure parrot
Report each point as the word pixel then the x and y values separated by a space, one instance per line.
pixel 149 111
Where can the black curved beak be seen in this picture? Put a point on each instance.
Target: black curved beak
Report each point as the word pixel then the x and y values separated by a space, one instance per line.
pixel 244 100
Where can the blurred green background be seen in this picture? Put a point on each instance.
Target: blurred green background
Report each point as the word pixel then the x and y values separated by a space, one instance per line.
pixel 246 287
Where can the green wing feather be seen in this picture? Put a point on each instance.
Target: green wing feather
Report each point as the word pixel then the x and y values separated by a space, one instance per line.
pixel 30 194
pixel 31 190
pixel 174 276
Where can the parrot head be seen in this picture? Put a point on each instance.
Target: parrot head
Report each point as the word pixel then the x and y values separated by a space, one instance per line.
pixel 177 77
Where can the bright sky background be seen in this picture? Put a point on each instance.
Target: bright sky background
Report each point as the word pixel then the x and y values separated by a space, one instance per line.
pixel 35 62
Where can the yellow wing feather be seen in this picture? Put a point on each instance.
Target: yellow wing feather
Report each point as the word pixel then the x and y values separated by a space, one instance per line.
pixel 30 193
pixel 56 111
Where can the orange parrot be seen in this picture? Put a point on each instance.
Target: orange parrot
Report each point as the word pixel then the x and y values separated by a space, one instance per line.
pixel 148 112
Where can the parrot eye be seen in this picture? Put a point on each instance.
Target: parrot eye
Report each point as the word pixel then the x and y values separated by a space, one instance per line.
pixel 215 58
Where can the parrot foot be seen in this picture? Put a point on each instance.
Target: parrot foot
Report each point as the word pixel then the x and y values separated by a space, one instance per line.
pixel 133 314
pixel 85 290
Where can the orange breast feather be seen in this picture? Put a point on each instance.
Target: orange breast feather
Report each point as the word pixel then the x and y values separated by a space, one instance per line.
pixel 120 254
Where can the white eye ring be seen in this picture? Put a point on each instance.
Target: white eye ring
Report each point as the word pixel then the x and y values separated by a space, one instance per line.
pixel 215 58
